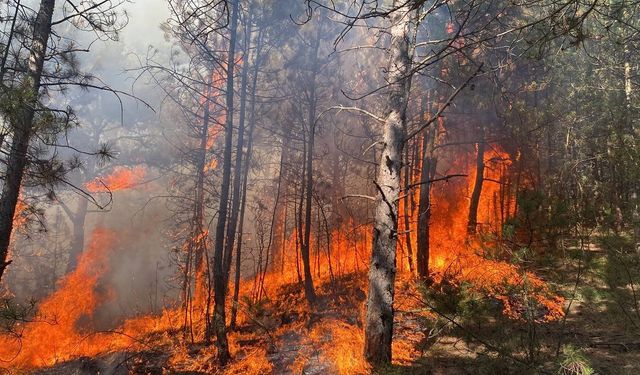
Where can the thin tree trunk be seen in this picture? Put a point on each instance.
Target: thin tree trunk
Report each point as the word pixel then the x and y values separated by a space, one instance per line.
pixel 23 129
pixel 5 55
pixel 77 241
pixel 270 244
pixel 219 266
pixel 4 130
pixel 328 237
pixel 304 249
pixel 237 181
pixel 407 211
pixel 472 223
pixel 309 291
pixel 424 206
pixel 245 179
pixel 284 236
pixel 318 270
pixel 78 220
pixel 300 233
pixel 382 270
pixel 280 212
pixel 198 302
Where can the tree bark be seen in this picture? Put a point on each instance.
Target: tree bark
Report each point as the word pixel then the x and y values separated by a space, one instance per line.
pixel 7 48
pixel 382 270
pixel 23 129
pixel 198 238
pixel 237 176
pixel 298 213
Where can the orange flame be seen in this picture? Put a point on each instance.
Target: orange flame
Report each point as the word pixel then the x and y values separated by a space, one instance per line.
pixel 213 164
pixel 55 337
pixel 20 216
pixel 121 179
pixel 454 256
pixel 61 330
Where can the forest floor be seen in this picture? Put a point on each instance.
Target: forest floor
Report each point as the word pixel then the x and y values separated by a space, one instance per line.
pixel 281 336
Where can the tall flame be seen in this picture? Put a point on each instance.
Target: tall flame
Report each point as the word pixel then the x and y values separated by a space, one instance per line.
pixel 62 330
pixel 20 215
pixel 55 335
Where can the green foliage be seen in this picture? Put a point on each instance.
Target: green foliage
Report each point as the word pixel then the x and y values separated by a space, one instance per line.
pixel 617 242
pixel 12 100
pixel 461 300
pixel 539 217
pixel 574 362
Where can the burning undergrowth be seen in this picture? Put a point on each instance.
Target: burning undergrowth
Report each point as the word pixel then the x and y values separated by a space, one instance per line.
pixel 63 326
pixel 277 331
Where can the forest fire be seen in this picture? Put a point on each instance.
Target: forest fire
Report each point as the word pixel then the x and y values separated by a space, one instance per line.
pixel 319 187
pixel 66 315
pixel 62 328
pixel 455 259
pixel 461 258
pixel 454 255
pixel 55 335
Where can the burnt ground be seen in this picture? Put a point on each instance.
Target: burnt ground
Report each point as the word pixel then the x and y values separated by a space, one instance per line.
pixel 603 323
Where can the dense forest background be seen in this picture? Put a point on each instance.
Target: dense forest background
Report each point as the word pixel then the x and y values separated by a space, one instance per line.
pixel 261 186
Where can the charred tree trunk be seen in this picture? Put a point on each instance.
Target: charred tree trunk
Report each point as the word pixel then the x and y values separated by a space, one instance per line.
pixel 237 177
pixel 304 249
pixel 298 213
pixel 279 212
pixel 198 303
pixel 382 271
pixel 427 171
pixel 472 223
pixel 77 241
pixel 23 129
pixel 407 210
pixel 78 219
pixel 309 291
pixel 283 244
pixel 219 266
